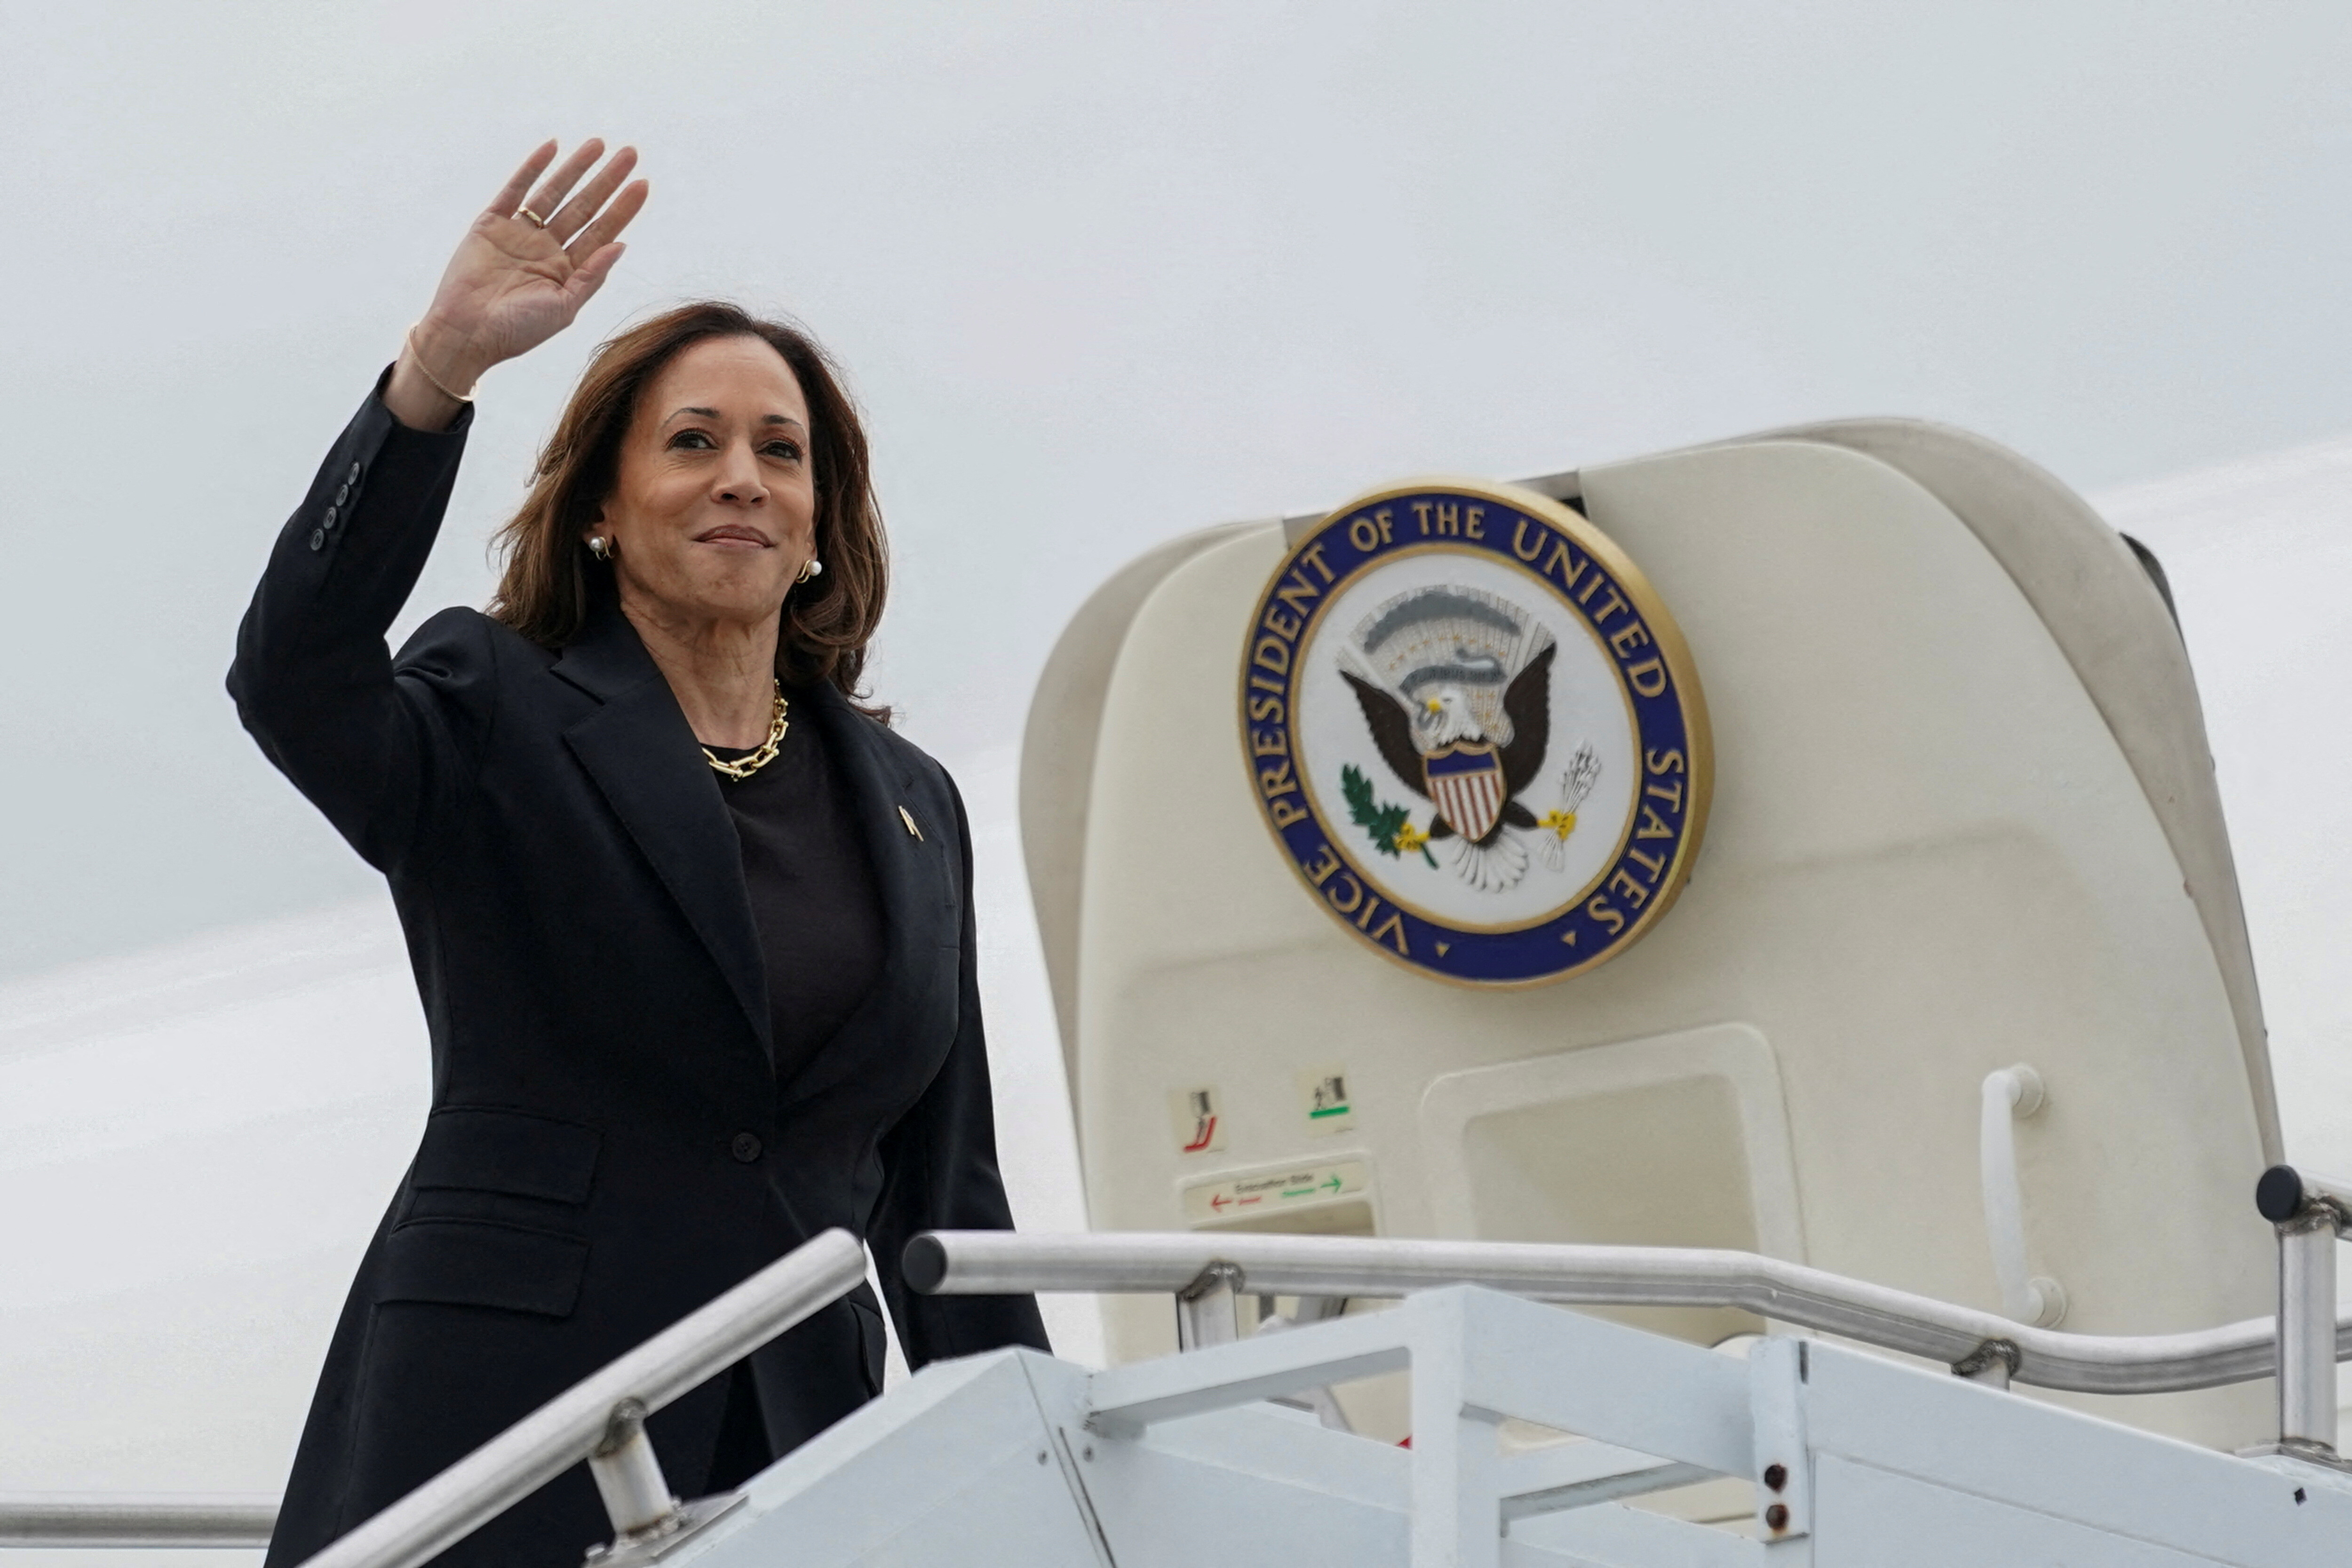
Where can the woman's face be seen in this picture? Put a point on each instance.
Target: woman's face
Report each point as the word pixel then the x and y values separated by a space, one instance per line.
pixel 713 513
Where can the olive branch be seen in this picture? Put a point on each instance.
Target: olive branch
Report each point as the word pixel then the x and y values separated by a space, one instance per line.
pixel 1390 826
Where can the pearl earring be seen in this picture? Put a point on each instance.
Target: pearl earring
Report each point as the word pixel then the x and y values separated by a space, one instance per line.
pixel 814 568
pixel 599 547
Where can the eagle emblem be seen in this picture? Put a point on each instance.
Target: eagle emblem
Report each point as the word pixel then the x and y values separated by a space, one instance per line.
pixel 1455 685
pixel 1473 731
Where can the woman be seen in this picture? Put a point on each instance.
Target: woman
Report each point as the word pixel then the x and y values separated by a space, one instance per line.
pixel 692 929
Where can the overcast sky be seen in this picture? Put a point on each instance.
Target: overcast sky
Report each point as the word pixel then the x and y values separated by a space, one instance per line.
pixel 1100 274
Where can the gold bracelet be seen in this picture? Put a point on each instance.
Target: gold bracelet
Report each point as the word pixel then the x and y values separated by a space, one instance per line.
pixel 410 339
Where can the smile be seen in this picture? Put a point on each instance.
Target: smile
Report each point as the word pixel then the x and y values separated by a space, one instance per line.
pixel 735 533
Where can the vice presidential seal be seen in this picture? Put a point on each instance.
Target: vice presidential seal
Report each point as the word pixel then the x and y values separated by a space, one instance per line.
pixel 1475 733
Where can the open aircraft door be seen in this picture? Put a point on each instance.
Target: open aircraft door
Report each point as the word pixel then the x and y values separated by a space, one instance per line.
pixel 1961 818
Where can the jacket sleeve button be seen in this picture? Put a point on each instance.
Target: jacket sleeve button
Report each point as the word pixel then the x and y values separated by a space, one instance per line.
pixel 329 521
pixel 342 493
pixel 318 539
pixel 746 1147
pixel 353 477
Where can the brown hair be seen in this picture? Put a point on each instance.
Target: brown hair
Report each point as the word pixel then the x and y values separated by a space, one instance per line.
pixel 545 591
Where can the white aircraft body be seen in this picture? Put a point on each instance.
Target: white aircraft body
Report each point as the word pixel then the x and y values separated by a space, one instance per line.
pixel 196 1141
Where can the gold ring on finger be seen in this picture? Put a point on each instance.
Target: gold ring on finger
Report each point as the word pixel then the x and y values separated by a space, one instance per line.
pixel 536 221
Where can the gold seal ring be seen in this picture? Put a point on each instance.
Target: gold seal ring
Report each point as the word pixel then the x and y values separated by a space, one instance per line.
pixel 536 221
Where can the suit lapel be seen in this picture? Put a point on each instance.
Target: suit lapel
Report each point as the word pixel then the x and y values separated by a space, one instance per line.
pixel 642 753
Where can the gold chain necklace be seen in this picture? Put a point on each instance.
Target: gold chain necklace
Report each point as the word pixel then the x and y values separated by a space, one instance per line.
pixel 744 767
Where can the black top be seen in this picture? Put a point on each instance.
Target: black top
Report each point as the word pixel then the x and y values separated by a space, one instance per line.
pixel 811 890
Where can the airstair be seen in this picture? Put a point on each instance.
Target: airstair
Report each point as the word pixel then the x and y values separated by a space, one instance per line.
pixel 1538 1431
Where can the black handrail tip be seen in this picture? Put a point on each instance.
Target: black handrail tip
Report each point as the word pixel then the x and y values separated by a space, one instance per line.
pixel 2278 1195
pixel 924 1263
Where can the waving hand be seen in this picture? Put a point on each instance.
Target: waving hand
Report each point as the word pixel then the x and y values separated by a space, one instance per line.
pixel 536 254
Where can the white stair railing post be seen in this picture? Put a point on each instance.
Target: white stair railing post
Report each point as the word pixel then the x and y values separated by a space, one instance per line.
pixel 1456 1517
pixel 1209 1310
pixel 2308 1215
pixel 629 1477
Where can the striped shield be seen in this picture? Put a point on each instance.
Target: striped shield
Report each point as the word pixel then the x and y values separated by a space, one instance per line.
pixel 1465 783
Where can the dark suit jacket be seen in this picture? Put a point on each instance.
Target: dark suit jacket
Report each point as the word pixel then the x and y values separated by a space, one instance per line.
pixel 608 1147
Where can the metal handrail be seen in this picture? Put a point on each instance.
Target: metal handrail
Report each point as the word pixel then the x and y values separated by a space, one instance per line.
pixel 600 1419
pixel 137 1519
pixel 990 1262
pixel 576 1424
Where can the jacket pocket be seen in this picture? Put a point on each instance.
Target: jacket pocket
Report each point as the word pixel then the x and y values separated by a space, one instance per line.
pixel 512 1152
pixel 481 1263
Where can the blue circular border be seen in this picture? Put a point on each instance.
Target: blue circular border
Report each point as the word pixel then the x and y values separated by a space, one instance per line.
pixel 1614 911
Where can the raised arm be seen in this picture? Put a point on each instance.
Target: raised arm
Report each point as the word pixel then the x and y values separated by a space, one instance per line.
pixel 378 749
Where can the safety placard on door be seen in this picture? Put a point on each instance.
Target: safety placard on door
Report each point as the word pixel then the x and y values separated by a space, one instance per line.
pixel 1256 1192
pixel 1324 1100
pixel 1197 1117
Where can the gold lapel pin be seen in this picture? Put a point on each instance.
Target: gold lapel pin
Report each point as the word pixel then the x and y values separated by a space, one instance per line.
pixel 908 818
